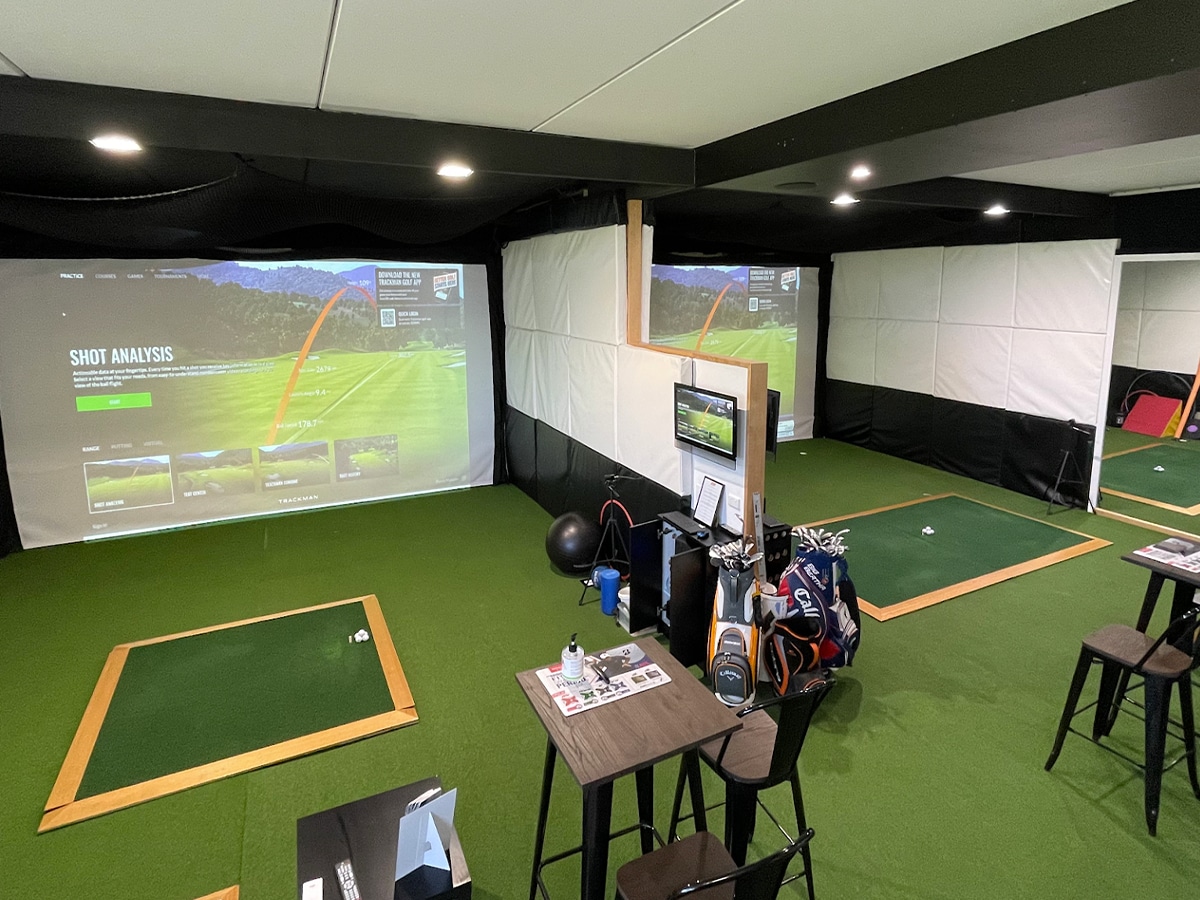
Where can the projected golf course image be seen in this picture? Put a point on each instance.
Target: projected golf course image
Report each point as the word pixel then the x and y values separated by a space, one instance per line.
pixel 215 472
pixel 373 457
pixel 746 312
pixel 117 484
pixel 293 465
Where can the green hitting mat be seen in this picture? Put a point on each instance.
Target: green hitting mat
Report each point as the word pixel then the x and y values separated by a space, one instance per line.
pixel 173 712
pixel 906 557
pixel 1162 475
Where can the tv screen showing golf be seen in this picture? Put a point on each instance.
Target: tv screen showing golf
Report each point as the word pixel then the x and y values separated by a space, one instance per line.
pixel 145 394
pixel 706 419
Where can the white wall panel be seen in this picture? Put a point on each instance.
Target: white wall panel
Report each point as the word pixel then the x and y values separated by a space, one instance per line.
pixel 972 364
pixel 850 355
pixel 645 414
pixel 1055 374
pixel 595 283
pixel 1170 340
pixel 1173 285
pixel 518 285
pixel 910 283
pixel 855 289
pixel 734 380
pixel 552 382
pixel 807 326
pixel 520 370
pixel 904 355
pixel 1126 337
pixel 979 285
pixel 550 307
pixel 1132 291
pixel 593 370
pixel 1064 286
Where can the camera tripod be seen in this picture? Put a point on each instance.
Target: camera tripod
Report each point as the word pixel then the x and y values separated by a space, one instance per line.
pixel 610 538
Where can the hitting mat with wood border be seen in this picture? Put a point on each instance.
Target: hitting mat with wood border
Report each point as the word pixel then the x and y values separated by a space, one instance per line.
pixel 1162 475
pixel 898 569
pixel 173 712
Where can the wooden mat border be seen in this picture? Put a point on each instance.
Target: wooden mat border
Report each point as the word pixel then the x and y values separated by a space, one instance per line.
pixel 62 808
pixel 229 893
pixel 1183 510
pixel 922 601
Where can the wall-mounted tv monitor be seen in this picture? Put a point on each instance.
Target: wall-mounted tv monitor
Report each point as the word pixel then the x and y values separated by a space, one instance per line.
pixel 706 419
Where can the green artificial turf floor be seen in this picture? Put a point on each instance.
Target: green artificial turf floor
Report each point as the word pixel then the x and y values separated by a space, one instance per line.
pixel 898 567
pixel 1162 474
pixel 922 773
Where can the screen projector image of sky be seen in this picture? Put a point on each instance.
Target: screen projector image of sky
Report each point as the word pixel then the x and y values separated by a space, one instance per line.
pixel 141 394
pixel 746 312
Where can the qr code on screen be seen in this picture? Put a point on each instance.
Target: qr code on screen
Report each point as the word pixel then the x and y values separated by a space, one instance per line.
pixel 387 318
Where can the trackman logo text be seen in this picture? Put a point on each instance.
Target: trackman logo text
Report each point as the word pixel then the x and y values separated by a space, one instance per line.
pixel 286 501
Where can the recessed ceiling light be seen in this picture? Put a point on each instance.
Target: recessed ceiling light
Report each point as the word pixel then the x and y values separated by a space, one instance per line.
pixel 116 143
pixel 860 172
pixel 996 209
pixel 844 200
pixel 455 170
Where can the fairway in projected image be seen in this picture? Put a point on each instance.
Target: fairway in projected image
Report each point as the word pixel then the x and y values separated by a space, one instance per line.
pixel 293 465
pixel 215 473
pixel 371 457
pixel 117 484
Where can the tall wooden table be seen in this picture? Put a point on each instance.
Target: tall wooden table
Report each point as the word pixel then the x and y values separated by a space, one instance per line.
pixel 1185 583
pixel 627 736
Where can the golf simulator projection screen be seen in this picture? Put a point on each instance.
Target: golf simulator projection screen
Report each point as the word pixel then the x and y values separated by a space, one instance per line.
pixel 706 419
pixel 145 394
pixel 761 313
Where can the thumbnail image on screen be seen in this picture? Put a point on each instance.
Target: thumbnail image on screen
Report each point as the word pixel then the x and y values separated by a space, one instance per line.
pixel 145 394
pixel 746 312
pixel 706 419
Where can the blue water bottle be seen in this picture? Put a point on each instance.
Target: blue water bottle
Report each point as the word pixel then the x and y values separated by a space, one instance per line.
pixel 609 581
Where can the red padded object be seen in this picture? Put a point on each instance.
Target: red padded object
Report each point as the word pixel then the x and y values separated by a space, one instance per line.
pixel 1153 416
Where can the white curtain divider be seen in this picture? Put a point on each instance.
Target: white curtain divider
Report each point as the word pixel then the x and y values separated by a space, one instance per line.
pixel 1173 286
pixel 1064 286
pixel 593 369
pixel 645 415
pixel 1055 374
pixel 550 282
pixel 910 285
pixel 972 364
pixel 979 285
pixel 807 325
pixel 1168 340
pixel 594 276
pixel 1132 290
pixel 552 383
pixel 851 350
pixel 855 289
pixel 1128 332
pixel 520 370
pixel 517 271
pixel 904 355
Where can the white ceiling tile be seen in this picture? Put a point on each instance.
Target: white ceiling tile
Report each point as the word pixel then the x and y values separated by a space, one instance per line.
pixel 7 68
pixel 502 64
pixel 1161 164
pixel 269 52
pixel 762 60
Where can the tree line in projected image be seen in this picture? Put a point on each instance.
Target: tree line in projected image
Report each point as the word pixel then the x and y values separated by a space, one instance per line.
pixel 680 309
pixel 228 321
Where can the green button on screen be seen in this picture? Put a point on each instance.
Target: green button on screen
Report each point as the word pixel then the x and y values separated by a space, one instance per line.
pixel 112 401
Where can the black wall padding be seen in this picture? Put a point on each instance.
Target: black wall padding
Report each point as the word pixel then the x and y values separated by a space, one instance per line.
pixel 1165 384
pixel 495 285
pixel 847 411
pixel 1020 452
pixel 966 439
pixel 10 539
pixel 520 450
pixel 562 474
pixel 900 424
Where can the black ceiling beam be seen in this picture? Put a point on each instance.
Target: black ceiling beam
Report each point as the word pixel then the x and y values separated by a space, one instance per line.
pixel 70 111
pixel 968 193
pixel 1124 76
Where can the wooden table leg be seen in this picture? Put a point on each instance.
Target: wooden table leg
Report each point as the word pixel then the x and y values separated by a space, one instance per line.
pixel 597 821
pixel 543 812
pixel 645 801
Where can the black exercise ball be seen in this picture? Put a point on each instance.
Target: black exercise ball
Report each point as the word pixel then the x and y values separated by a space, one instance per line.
pixel 572 541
